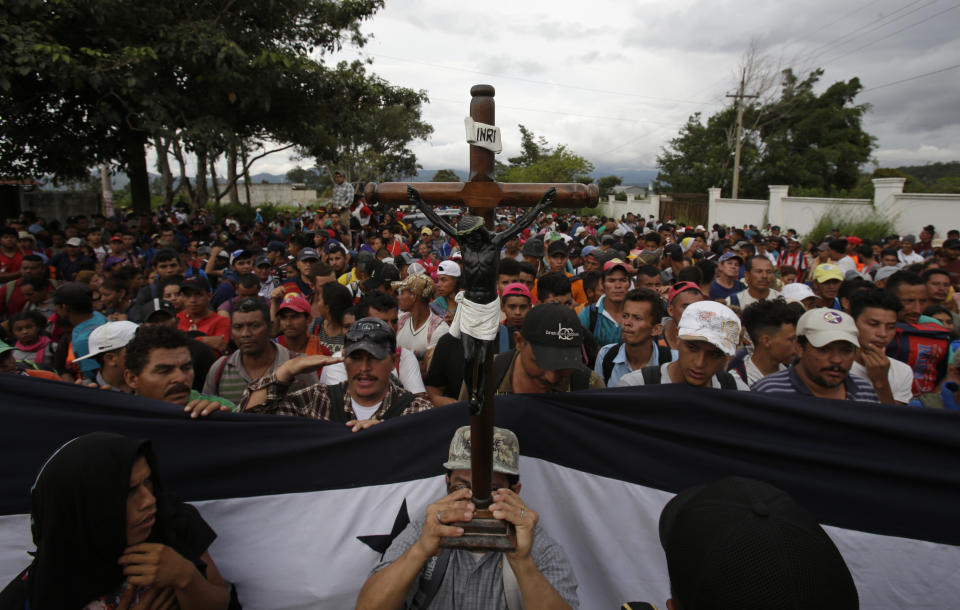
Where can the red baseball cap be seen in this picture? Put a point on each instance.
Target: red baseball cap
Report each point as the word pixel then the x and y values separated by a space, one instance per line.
pixel 614 263
pixel 517 289
pixel 681 287
pixel 295 303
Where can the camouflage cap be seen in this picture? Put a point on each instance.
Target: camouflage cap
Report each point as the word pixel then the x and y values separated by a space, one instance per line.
pixel 506 451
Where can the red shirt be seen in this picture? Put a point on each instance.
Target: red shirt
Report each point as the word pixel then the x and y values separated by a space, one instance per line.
pixel 9 264
pixel 211 325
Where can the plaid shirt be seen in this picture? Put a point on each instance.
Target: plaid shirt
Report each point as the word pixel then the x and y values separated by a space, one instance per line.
pixel 314 401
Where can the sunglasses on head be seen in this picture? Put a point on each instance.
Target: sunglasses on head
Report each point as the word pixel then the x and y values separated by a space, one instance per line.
pixel 368 330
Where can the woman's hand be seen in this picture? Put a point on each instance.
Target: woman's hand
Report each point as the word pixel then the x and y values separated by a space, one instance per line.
pixel 156 565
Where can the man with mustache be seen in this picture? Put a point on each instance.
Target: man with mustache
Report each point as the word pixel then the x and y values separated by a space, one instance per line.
pixel 828 342
pixel 159 366
pixel 368 396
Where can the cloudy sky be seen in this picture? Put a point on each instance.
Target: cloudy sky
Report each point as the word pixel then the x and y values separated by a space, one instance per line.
pixel 614 80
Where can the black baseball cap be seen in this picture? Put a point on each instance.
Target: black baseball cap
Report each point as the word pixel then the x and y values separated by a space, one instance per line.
pixel 73 294
pixel 195 282
pixel 742 543
pixel 154 306
pixel 308 253
pixel 371 335
pixel 533 247
pixel 674 251
pixel 555 335
pixel 557 246
pixel 276 246
pixel 951 243
pixel 382 274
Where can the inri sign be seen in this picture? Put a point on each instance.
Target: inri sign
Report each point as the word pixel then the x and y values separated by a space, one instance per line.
pixel 483 135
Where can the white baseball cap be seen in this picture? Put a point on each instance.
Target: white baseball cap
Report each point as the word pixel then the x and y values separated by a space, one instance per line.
pixel 822 326
pixel 796 292
pixel 110 336
pixel 75 242
pixel 449 268
pixel 712 322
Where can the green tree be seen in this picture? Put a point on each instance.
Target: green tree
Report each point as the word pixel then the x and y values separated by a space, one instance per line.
pixel 314 178
pixel 88 82
pixel 808 141
pixel 539 162
pixel 606 185
pixel 445 175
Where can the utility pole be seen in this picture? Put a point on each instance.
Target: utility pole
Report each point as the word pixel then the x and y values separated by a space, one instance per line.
pixel 736 155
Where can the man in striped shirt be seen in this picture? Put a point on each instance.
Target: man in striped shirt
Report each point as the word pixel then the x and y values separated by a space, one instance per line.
pixel 828 341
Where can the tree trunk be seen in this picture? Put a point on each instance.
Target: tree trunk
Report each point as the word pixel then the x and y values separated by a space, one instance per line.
pixel 201 180
pixel 246 173
pixel 135 163
pixel 184 181
pixel 213 177
pixel 232 174
pixel 106 187
pixel 163 165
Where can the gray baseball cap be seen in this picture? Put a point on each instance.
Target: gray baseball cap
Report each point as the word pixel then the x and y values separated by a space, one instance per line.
pixel 506 451
pixel 371 335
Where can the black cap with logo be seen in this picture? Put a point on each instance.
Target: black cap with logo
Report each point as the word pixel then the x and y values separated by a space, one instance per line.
pixel 371 335
pixel 555 335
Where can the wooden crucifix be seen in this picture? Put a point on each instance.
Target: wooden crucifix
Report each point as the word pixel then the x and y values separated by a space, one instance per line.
pixel 480 250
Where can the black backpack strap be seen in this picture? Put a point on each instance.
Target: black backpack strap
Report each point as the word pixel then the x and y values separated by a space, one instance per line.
pixel 430 579
pixel 397 406
pixel 664 354
pixel 594 316
pixel 651 374
pixel 337 411
pixel 727 382
pixel 501 362
pixel 608 359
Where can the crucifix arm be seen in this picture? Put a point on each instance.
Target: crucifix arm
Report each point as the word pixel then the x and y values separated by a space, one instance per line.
pixel 413 196
pixel 524 221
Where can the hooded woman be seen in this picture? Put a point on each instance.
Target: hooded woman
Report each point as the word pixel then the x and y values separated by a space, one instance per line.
pixel 108 539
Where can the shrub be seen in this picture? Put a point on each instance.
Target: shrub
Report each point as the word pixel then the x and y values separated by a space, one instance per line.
pixel 865 225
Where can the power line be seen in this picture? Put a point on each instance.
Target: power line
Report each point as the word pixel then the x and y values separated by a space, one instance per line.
pixel 891 34
pixel 904 80
pixel 538 82
pixel 853 34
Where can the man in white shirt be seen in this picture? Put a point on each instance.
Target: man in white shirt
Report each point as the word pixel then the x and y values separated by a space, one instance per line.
pixel 875 313
pixel 772 326
pixel 419 327
pixel 906 253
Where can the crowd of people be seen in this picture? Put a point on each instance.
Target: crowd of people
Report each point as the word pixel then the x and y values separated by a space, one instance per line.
pixel 344 314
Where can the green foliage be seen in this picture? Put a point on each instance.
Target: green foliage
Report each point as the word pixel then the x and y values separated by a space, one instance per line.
pixel 801 139
pixel 606 185
pixel 445 175
pixel 246 214
pixel 947 184
pixel 538 162
pixel 314 178
pixel 932 172
pixel 85 82
pixel 864 225
pixel 912 185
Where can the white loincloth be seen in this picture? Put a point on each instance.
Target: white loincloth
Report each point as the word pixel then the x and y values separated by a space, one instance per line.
pixel 479 320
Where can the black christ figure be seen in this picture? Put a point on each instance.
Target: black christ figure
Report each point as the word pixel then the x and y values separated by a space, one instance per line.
pixel 478 307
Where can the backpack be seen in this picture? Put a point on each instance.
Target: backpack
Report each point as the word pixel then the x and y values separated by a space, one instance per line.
pixel 580 380
pixel 653 376
pixel 924 347
pixel 338 412
pixel 663 352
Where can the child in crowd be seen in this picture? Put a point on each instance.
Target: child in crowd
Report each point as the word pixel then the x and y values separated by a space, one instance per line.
pixel 33 345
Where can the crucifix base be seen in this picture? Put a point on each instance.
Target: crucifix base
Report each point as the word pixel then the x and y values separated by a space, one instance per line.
pixel 483 533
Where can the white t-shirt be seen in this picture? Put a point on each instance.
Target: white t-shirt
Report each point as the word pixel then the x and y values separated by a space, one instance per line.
pixel 899 376
pixel 636 378
pixel 364 412
pixel 846 264
pixel 416 341
pixel 754 374
pixel 909 259
pixel 744 299
pixel 408 372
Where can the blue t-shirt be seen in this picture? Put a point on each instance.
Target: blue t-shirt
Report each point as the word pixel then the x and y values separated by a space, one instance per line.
pixel 718 292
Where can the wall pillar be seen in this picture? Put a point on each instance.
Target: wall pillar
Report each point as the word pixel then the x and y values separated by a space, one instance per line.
pixel 884 196
pixel 713 206
pixel 775 214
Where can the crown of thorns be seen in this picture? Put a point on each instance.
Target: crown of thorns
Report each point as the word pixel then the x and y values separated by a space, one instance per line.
pixel 469 223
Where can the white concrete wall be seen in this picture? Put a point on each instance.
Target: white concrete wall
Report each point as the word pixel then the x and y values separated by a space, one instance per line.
pixel 640 207
pixel 739 212
pixel 281 194
pixel 915 210
pixel 801 213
